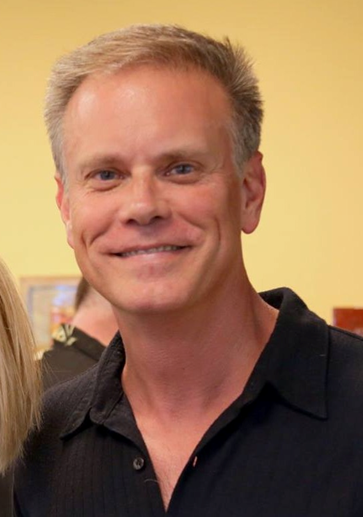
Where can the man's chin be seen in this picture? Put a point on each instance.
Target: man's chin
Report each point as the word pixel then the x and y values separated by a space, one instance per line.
pixel 149 306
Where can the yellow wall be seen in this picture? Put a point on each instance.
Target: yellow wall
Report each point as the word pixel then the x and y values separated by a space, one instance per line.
pixel 309 56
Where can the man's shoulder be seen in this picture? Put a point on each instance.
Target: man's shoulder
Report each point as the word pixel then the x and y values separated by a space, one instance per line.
pixel 345 367
pixel 346 349
pixel 62 403
pixel 327 361
pixel 345 344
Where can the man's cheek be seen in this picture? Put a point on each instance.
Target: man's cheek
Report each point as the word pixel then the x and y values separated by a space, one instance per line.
pixel 69 233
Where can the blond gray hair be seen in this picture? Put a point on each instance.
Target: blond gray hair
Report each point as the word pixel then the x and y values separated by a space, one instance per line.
pixel 166 46
pixel 19 372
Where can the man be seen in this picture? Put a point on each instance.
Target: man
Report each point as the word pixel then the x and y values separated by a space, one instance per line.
pixel 79 346
pixel 217 401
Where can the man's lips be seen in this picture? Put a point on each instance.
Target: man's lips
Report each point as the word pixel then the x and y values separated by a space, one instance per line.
pixel 150 250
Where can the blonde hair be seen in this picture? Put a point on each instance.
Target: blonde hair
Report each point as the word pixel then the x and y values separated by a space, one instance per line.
pixel 19 372
pixel 167 46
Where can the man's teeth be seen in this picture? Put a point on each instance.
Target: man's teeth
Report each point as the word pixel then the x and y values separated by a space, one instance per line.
pixel 150 250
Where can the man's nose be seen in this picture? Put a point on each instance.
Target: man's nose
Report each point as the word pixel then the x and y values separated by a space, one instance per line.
pixel 144 201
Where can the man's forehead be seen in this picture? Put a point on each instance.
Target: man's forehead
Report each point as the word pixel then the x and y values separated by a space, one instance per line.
pixel 142 80
pixel 147 101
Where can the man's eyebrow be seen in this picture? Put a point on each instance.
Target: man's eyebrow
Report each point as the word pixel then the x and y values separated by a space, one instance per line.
pixel 101 160
pixel 115 159
pixel 182 154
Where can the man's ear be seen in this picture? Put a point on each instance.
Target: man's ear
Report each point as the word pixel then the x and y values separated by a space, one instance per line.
pixel 253 192
pixel 63 205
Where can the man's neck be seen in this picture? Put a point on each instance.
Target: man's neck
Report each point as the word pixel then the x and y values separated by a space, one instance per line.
pixel 196 362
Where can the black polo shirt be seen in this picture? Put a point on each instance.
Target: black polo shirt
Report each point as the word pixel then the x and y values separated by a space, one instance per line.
pixel 290 446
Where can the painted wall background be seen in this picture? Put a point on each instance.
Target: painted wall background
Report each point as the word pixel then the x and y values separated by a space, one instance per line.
pixel 309 57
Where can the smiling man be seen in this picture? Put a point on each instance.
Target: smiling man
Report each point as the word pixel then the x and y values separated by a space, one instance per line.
pixel 217 401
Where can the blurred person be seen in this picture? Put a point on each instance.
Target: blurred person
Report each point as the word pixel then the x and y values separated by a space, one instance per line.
pixel 19 384
pixel 79 345
pixel 213 400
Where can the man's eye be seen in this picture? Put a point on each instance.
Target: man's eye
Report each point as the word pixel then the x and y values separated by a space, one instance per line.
pixel 181 169
pixel 106 175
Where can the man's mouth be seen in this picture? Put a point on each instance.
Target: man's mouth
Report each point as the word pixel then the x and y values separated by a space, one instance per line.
pixel 149 251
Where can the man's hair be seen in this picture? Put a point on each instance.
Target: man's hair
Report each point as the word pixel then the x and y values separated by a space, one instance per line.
pixel 19 372
pixel 166 46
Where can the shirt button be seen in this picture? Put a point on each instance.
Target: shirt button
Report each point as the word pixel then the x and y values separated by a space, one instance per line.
pixel 138 463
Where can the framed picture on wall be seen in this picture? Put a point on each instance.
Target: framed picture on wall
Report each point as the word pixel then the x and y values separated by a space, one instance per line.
pixel 49 302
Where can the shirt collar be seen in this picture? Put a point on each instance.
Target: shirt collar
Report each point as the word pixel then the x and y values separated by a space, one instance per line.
pixel 296 357
pixel 102 389
pixel 294 361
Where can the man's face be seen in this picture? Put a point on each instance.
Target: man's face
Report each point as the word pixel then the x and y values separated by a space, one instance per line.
pixel 153 206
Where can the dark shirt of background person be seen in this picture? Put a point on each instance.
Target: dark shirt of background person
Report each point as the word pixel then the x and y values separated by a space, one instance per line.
pixel 79 345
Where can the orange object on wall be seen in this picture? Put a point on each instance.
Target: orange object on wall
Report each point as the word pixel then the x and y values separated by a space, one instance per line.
pixel 349 319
